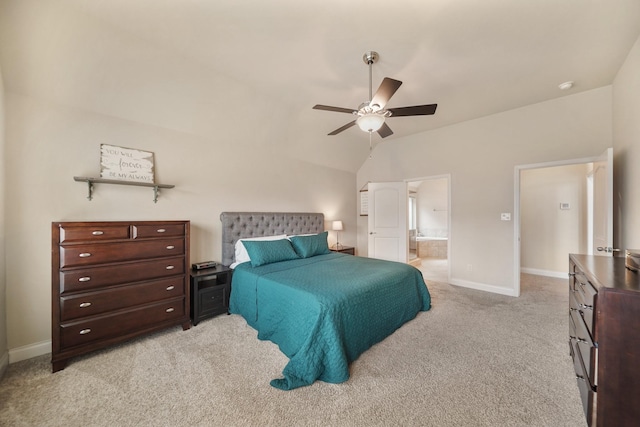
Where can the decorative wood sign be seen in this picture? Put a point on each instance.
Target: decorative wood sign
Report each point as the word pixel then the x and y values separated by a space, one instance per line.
pixel 364 203
pixel 126 164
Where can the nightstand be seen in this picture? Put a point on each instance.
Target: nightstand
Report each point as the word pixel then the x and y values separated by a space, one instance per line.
pixel 345 250
pixel 210 289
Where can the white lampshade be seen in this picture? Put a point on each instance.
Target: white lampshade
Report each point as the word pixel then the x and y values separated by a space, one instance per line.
pixel 370 122
pixel 336 226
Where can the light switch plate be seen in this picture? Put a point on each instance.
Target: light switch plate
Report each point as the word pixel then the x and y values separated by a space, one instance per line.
pixel 505 216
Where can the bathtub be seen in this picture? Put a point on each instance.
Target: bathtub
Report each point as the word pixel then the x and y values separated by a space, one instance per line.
pixel 431 247
pixel 426 239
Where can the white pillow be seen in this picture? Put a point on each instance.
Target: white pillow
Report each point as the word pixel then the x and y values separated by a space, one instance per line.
pixel 241 251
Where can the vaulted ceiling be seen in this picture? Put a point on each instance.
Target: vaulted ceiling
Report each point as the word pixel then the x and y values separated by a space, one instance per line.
pixel 473 58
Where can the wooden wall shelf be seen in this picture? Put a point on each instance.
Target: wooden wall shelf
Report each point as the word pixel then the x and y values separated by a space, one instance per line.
pixel 90 181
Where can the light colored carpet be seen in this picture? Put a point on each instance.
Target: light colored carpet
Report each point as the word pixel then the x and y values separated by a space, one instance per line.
pixel 475 359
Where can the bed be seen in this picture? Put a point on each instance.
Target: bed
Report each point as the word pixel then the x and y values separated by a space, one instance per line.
pixel 323 309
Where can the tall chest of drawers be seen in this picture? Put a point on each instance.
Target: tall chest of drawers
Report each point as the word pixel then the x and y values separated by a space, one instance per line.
pixel 112 281
pixel 604 338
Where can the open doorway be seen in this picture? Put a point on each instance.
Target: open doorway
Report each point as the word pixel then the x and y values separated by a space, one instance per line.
pixel 554 217
pixel 429 226
pixel 574 215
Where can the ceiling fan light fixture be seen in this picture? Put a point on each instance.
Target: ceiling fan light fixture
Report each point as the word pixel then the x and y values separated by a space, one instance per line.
pixel 370 122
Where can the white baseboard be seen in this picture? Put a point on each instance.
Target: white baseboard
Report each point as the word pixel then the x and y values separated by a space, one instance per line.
pixel 548 273
pixel 29 351
pixel 483 287
pixel 4 363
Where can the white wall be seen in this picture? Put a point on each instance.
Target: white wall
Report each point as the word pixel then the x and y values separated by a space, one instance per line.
pixel 547 232
pixel 4 355
pixel 432 202
pixel 626 148
pixel 481 156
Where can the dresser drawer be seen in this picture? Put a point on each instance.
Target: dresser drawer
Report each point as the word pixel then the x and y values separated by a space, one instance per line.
pixel 160 230
pixel 577 303
pixel 587 351
pixel 586 292
pixel 92 303
pixel 582 331
pixel 95 277
pixel 586 388
pixel 119 323
pixel 93 233
pixel 78 255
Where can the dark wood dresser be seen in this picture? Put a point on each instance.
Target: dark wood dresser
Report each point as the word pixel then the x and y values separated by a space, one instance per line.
pixel 112 281
pixel 604 338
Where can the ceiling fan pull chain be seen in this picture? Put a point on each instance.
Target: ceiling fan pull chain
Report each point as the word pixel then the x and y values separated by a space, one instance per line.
pixel 370 146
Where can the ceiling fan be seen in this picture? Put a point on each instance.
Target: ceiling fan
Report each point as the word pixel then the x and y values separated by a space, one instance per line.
pixel 372 114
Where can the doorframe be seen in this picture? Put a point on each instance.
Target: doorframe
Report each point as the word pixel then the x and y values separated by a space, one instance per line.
pixel 446 176
pixel 516 208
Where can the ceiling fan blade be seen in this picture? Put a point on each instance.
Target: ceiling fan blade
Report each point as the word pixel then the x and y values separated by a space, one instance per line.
pixel 335 109
pixel 385 131
pixel 345 127
pixel 416 110
pixel 386 90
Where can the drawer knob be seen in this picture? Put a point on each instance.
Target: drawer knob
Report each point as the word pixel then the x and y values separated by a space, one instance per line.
pixel 84 255
pixel 98 233
pixel 161 230
pixel 84 279
pixel 170 267
pixel 170 287
pixel 85 331
pixel 171 247
pixel 169 310
pixel 85 304
pixel 586 306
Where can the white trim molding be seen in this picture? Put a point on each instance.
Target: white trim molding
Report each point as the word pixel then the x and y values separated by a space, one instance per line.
pixel 484 287
pixel 29 351
pixel 548 273
pixel 4 363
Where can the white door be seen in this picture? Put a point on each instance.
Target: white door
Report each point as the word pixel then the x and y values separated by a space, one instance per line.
pixel 388 213
pixel 602 226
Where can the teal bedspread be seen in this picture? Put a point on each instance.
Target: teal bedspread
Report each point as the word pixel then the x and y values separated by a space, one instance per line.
pixel 324 311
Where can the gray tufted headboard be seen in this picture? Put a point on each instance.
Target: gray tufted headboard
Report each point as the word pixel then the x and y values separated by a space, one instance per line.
pixel 239 225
